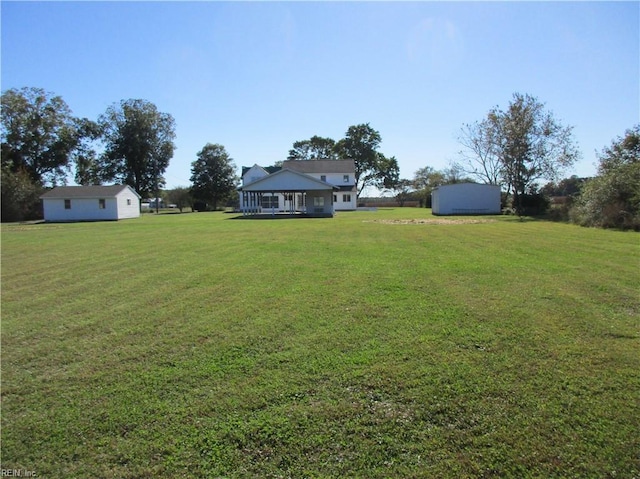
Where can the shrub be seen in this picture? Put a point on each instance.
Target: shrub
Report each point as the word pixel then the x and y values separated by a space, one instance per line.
pixel 612 199
pixel 20 197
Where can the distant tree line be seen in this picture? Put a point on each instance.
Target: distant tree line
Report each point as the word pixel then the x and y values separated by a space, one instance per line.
pixel 132 142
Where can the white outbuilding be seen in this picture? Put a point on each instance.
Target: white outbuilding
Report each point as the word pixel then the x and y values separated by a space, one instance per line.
pixel 90 203
pixel 465 199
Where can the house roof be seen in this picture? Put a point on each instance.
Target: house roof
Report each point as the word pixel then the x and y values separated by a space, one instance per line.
pixel 267 169
pixel 70 192
pixel 321 166
pixel 346 188
pixel 287 180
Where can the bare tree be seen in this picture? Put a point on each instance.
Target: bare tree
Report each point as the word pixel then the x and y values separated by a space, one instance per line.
pixel 480 156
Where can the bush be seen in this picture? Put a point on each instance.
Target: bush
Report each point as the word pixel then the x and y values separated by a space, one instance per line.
pixel 20 197
pixel 534 204
pixel 612 199
pixel 605 204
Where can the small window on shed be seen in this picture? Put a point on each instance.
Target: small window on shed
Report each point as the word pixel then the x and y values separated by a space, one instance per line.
pixel 128 201
pixel 102 204
pixel 67 204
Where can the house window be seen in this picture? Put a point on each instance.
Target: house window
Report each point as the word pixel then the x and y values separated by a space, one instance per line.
pixel 345 178
pixel 335 198
pixel 128 201
pixel 270 202
pixel 323 177
pixel 102 204
pixel 346 198
pixel 67 204
pixel 318 201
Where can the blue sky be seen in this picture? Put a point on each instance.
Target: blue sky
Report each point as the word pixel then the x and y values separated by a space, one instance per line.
pixel 258 76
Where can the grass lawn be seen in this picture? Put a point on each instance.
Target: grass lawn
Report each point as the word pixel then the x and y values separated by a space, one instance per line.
pixel 366 345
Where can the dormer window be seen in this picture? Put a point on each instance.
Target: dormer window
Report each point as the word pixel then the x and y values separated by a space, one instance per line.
pixel 345 178
pixel 323 177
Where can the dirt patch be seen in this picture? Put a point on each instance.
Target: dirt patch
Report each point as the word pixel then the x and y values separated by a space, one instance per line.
pixel 433 221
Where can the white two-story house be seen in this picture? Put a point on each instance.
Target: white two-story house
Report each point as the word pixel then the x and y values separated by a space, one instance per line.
pixel 311 187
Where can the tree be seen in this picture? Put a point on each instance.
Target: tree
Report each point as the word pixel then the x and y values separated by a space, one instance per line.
pixel 403 189
pixel 38 134
pixel 85 156
pixel 518 147
pixel 138 145
pixel 360 144
pixel 531 145
pixel 388 174
pixel 480 156
pixel 179 196
pixel 316 148
pixel 612 198
pixel 20 196
pixel 213 175
pixel 424 181
pixel 566 187
pixel 455 174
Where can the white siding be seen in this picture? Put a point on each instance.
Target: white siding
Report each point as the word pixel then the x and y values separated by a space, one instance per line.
pixel 466 199
pixel 253 174
pixel 82 209
pixel 128 205
pixel 344 200
pixel 338 179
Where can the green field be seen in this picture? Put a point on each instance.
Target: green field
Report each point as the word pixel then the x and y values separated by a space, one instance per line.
pixel 366 345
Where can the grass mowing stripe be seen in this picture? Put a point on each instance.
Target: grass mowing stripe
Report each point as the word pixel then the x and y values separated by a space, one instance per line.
pixel 356 346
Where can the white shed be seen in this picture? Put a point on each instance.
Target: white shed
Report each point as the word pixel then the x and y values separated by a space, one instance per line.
pixel 91 203
pixel 465 199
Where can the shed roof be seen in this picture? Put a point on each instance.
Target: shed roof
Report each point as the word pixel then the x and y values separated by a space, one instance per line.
pixel 460 186
pixel 69 192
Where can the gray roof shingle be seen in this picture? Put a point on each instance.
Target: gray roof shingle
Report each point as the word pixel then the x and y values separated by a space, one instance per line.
pixel 321 166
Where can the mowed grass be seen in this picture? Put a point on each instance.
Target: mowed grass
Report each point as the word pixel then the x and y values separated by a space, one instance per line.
pixel 198 345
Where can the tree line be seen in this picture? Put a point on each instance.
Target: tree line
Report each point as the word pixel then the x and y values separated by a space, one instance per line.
pixel 132 142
